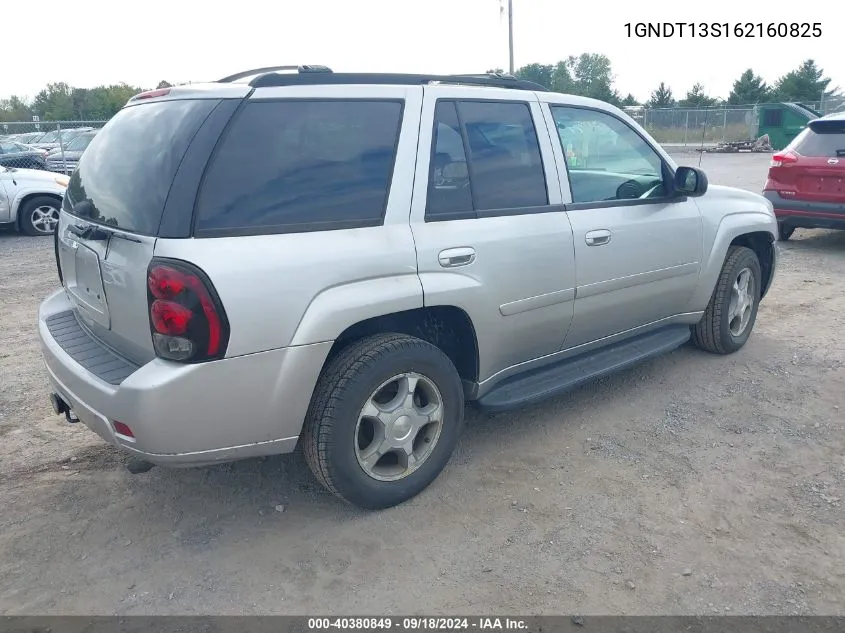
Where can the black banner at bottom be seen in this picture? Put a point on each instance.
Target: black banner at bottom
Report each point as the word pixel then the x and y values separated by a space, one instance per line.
pixel 404 624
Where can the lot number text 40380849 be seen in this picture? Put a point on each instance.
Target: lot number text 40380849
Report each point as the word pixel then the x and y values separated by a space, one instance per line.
pixel 724 29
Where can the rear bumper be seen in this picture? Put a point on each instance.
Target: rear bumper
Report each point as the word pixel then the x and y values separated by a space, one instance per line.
pixel 804 214
pixel 190 415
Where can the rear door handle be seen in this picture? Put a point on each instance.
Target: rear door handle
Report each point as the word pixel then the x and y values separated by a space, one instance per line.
pixel 597 238
pixel 453 257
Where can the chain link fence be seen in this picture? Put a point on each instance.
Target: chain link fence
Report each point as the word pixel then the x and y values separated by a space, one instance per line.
pixel 709 126
pixel 53 146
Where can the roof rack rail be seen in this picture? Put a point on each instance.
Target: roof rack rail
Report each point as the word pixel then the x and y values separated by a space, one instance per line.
pixel 271 78
pixel 304 68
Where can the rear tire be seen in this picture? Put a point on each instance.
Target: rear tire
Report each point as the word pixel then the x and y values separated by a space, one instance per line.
pixel 39 215
pixel 732 311
pixel 785 232
pixel 384 420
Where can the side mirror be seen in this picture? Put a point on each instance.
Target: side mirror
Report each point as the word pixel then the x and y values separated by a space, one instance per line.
pixel 690 181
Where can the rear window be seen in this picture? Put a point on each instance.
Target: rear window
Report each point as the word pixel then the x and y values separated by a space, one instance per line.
pixel 125 174
pixel 297 165
pixel 821 138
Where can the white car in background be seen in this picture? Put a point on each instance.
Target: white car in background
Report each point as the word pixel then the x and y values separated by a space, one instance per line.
pixel 30 199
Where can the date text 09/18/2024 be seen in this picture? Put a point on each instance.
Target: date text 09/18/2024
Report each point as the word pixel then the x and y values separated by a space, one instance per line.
pixel 417 623
pixel 724 29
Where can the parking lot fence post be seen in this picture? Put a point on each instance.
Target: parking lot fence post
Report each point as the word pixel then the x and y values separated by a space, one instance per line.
pixel 62 148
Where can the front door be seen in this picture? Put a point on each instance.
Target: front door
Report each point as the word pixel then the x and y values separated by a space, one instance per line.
pixel 491 233
pixel 637 250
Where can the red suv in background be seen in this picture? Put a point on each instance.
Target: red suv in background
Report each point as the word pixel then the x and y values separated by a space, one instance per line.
pixel 806 182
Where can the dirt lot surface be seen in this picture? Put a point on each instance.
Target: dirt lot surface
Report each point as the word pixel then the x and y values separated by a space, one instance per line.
pixel 693 484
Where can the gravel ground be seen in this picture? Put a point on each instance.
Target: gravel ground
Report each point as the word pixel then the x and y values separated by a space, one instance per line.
pixel 692 484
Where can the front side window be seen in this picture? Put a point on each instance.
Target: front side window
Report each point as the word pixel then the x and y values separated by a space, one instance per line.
pixel 301 165
pixel 605 158
pixel 486 157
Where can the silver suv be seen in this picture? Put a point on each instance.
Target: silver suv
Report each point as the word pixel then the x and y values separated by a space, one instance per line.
pixel 341 261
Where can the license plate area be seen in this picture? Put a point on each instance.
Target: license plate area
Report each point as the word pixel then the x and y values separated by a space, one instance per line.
pixel 85 283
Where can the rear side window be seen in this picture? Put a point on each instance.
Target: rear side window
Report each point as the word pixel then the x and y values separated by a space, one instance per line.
pixel 504 169
pixel 822 138
pixel 299 165
pixel 126 172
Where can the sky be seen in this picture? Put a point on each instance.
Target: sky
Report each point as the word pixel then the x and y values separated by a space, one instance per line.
pixel 94 42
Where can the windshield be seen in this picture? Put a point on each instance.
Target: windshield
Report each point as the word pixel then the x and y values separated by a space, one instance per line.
pixel 50 137
pixel 79 143
pixel 125 174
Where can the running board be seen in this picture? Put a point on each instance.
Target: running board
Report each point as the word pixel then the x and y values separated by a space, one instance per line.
pixel 552 380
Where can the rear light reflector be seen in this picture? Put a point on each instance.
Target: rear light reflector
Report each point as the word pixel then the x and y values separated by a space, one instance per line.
pixel 122 429
pixel 783 158
pixel 187 320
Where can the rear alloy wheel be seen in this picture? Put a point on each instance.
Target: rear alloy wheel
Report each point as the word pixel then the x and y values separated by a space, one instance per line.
pixel 732 311
pixel 40 215
pixel 785 232
pixel 384 419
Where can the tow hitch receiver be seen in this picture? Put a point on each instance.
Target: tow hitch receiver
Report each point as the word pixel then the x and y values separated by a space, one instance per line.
pixel 61 407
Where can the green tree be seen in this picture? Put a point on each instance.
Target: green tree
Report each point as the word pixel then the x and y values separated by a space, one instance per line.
pixel 163 84
pixel 805 83
pixel 561 80
pixel 593 77
pixel 54 103
pixel 697 98
pixel 630 100
pixel 749 88
pixel 494 71
pixel 662 97
pixel 538 73
pixel 15 109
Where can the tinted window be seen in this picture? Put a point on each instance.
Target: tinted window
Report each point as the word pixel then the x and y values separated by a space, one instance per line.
pixel 504 155
pixel 606 159
pixel 317 164
pixel 448 185
pixel 824 139
pixel 125 174
pixel 8 148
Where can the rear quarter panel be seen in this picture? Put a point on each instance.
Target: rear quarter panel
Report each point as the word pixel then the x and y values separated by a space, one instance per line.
pixel 302 288
pixel 727 213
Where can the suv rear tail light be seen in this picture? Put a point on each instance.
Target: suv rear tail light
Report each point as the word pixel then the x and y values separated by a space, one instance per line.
pixel 783 158
pixel 187 320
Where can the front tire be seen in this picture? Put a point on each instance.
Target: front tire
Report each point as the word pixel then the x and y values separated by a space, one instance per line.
pixel 39 215
pixel 384 420
pixel 732 311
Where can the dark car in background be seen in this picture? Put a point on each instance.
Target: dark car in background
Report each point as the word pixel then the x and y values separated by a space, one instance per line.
pixel 806 182
pixel 65 162
pixel 13 154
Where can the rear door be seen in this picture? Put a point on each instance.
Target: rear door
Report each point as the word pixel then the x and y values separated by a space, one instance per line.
pixel 491 234
pixel 819 174
pixel 114 210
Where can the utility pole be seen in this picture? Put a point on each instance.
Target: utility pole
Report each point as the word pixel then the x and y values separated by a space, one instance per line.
pixel 510 33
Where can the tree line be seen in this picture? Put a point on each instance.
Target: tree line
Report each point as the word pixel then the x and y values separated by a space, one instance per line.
pixel 61 102
pixel 588 74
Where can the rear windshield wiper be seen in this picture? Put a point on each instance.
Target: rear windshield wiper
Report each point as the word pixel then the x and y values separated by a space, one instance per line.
pixel 99 233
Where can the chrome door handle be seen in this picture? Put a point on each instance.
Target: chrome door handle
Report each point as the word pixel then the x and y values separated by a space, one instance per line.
pixel 597 238
pixel 452 257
